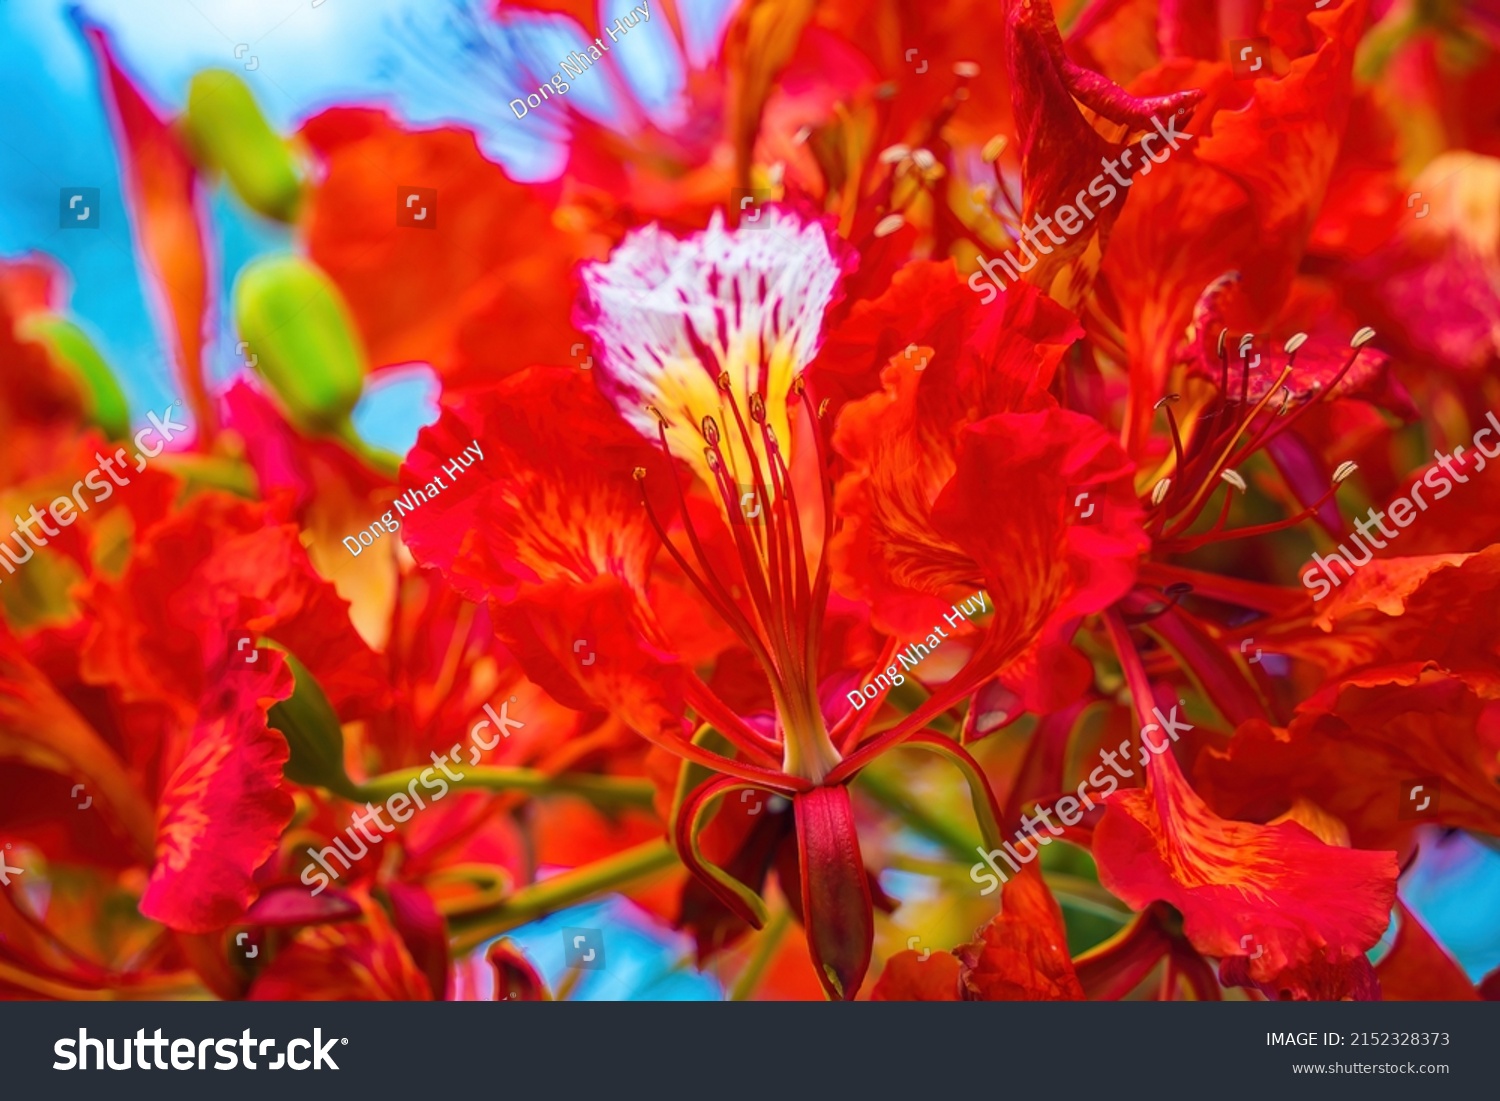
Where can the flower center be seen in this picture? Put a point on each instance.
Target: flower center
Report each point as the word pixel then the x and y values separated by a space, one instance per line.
pixel 776 602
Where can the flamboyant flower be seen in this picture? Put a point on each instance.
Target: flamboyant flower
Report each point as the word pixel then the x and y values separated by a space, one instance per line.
pixel 704 440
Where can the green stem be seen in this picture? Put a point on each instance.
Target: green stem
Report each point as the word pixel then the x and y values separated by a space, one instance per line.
pixel 376 458
pixel 567 889
pixel 890 794
pixel 602 790
pixel 765 948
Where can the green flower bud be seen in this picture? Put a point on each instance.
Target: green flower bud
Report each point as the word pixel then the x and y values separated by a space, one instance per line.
pixel 227 131
pixel 74 353
pixel 298 334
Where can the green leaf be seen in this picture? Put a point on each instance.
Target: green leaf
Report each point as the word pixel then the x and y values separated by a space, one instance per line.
pixel 314 734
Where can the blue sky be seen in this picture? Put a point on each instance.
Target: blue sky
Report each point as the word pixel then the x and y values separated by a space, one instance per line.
pixel 429 62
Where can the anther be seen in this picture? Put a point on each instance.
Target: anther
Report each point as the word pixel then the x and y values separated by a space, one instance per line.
pixel 639 474
pixel 710 431
pixel 1344 472
pixel 757 409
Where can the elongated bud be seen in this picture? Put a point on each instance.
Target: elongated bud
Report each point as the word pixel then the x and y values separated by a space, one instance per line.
pixel 294 323
pixel 226 130
pixel 1344 472
pixel 835 890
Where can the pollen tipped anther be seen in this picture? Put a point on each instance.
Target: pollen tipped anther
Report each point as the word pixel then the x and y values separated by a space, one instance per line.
pixel 724 381
pixel 771 438
pixel 1159 493
pixel 711 431
pixel 822 408
pixel 657 413
pixel 1344 472
pixel 1363 337
pixel 894 154
pixel 711 457
pixel 1223 334
pixel 1296 341
pixel 993 148
pixel 966 69
pixel 1234 479
pixel 1170 398
pixel 639 474
pixel 757 409
pixel 889 225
